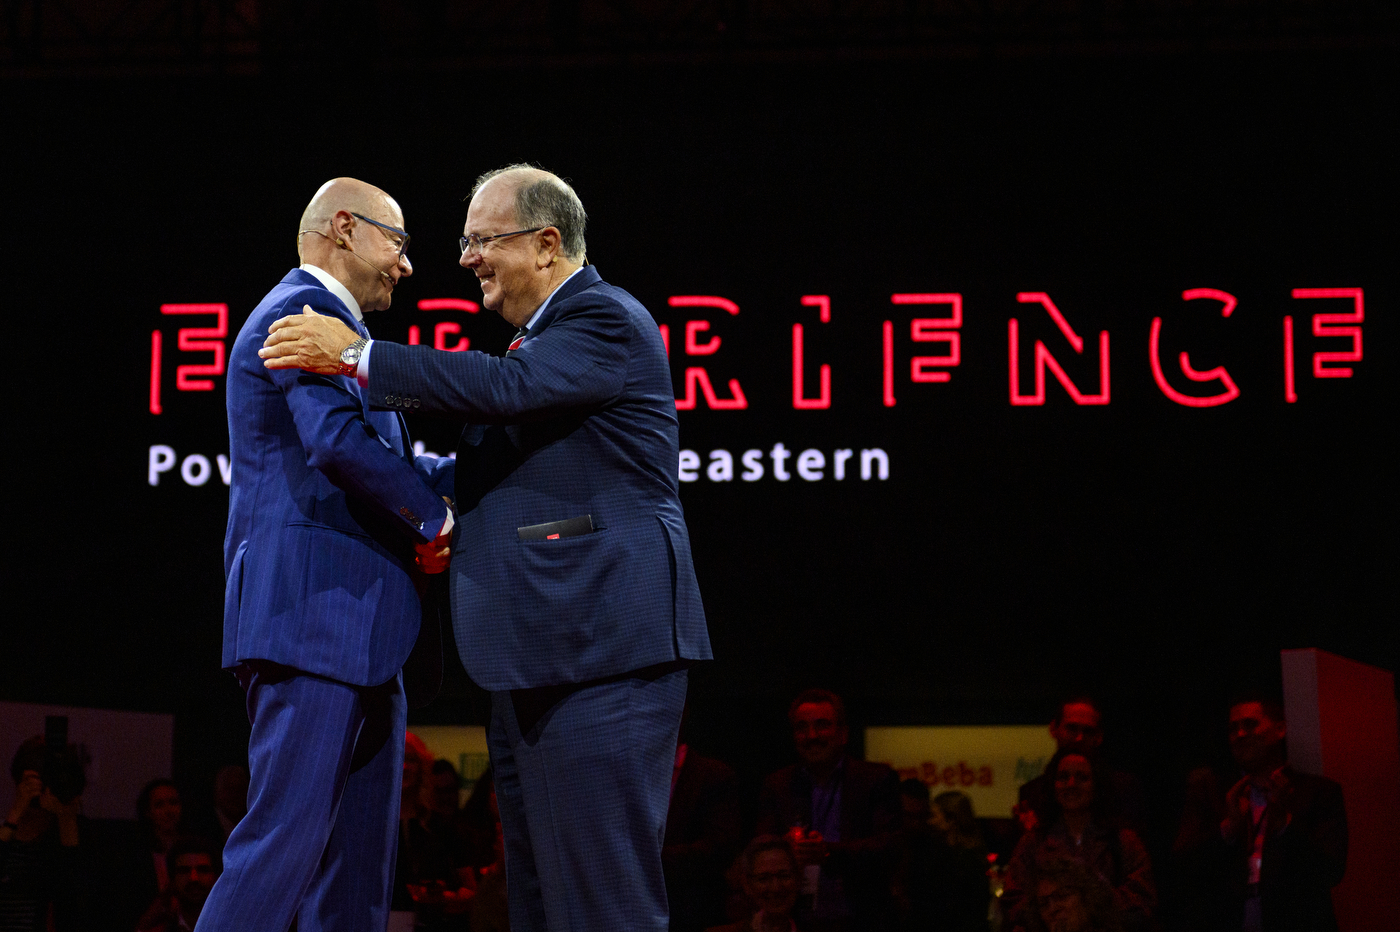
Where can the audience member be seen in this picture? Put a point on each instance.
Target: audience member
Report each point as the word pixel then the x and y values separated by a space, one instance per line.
pixel 41 866
pixel 1069 897
pixel 1286 831
pixel 1078 725
pixel 490 910
pixel 769 871
pixel 427 880
pixel 842 814
pixel 702 835
pixel 192 864
pixel 479 821
pixel 942 884
pixel 1080 822
pixel 138 870
pixel 230 799
pixel 445 822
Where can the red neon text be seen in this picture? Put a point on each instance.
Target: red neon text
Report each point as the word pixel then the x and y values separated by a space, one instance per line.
pixel 925 330
pixel 1323 325
pixel 1043 358
pixel 823 400
pixel 1231 392
pixel 697 376
pixel 447 328
pixel 190 340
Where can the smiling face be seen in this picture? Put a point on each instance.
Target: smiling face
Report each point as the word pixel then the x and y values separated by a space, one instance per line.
pixel 380 250
pixel 507 269
pixel 819 738
pixel 772 883
pixel 1256 737
pixel 192 880
pixel 1074 783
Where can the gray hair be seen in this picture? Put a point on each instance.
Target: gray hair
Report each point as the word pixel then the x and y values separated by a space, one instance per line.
pixel 543 199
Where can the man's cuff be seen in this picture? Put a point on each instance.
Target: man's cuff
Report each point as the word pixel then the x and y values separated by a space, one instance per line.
pixel 362 373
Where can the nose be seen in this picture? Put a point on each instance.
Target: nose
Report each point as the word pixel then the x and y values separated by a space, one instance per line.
pixel 405 265
pixel 470 259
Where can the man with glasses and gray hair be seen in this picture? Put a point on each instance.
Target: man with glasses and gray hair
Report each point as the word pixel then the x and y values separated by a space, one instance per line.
pixel 574 598
pixel 332 524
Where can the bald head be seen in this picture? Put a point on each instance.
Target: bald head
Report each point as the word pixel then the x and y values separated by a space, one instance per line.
pixel 542 199
pixel 352 196
pixel 365 258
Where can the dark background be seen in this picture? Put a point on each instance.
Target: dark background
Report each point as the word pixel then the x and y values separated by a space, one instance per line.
pixel 1155 555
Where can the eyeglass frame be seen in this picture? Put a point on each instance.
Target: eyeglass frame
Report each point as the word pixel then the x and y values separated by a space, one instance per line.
pixel 403 247
pixel 465 241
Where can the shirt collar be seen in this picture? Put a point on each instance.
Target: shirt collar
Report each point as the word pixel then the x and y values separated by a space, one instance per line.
pixel 334 286
pixel 529 324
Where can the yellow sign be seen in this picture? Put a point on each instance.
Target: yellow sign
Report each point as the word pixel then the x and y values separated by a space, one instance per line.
pixel 988 763
pixel 464 746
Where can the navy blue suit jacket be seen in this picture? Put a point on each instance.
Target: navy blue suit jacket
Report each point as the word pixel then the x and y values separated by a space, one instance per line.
pixel 325 503
pixel 580 420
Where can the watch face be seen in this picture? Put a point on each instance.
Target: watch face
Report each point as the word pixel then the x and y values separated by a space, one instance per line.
pixel 350 356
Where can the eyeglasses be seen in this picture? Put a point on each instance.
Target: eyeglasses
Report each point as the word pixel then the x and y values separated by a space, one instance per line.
pixel 474 243
pixel 401 242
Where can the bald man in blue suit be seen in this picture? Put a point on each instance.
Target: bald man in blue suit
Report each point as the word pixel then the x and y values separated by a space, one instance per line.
pixel 574 598
pixel 332 520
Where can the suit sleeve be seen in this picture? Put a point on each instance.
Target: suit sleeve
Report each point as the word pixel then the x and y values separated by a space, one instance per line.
pixel 579 360
pixel 346 448
pixel 440 472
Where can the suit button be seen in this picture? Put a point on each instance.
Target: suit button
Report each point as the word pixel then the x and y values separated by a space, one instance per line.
pixel 416 403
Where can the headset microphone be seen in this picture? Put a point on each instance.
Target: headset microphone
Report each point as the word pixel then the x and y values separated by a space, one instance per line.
pixel 383 273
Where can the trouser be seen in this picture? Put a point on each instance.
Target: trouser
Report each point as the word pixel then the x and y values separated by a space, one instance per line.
pixel 583 779
pixel 325 765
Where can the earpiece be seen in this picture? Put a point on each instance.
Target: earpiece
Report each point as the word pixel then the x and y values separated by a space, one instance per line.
pixel 339 241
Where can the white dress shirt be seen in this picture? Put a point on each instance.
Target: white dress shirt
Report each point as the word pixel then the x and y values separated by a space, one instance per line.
pixel 334 286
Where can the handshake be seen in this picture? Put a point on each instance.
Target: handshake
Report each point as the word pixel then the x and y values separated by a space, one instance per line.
pixel 434 556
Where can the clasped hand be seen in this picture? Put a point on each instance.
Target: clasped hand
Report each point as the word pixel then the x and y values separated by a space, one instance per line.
pixel 435 555
pixel 307 341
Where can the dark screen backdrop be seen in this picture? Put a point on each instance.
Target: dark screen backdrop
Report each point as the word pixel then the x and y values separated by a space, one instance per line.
pixel 1154 553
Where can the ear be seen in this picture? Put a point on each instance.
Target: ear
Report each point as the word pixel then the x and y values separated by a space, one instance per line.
pixel 342 228
pixel 549 244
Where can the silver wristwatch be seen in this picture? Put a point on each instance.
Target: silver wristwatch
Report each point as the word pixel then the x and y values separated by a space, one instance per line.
pixel 350 357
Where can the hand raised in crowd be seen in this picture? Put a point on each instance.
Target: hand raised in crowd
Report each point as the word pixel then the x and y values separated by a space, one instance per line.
pixel 30 787
pixel 1281 801
pixel 435 556
pixel 307 341
pixel 809 847
pixel 1238 818
pixel 1278 811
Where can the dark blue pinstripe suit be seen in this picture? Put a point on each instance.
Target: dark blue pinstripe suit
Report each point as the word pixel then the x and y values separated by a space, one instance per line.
pixel 321 610
pixel 580 420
